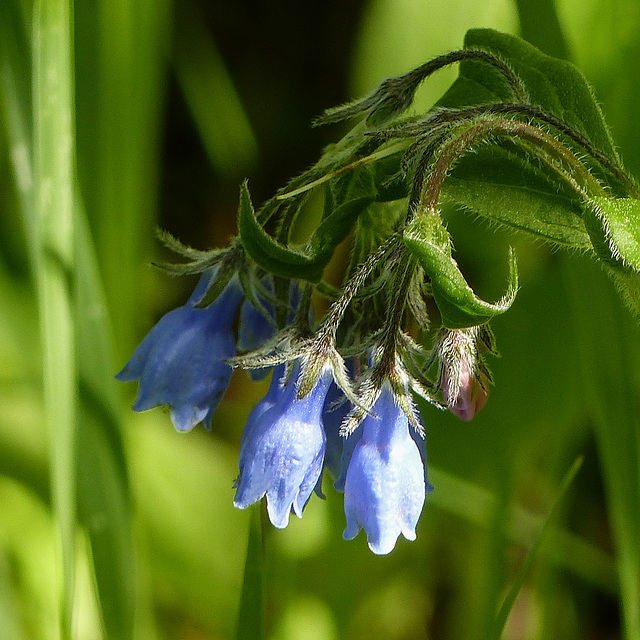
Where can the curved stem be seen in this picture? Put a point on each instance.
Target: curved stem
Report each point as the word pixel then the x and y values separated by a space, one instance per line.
pixel 428 68
pixel 458 116
pixel 506 128
pixel 396 94
pixel 329 327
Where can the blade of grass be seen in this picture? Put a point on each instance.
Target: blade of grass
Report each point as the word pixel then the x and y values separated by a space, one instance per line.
pixel 103 485
pixel 103 492
pixel 208 89
pixel 122 58
pixel 475 504
pixel 495 632
pixel 54 158
pixel 251 611
pixel 609 364
pixel 9 616
pixel 16 104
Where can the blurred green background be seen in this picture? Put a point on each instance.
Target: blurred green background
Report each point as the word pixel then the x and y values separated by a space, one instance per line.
pixel 121 115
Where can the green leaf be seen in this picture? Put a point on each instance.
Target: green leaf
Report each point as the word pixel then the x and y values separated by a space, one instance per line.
pixel 553 84
pixel 502 187
pixel 267 252
pixel 122 63
pixel 53 186
pixel 103 486
pixel 503 183
pixel 627 282
pixel 614 227
pixel 307 262
pixel 459 306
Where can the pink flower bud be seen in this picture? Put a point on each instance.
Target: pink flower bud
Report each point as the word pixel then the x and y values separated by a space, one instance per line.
pixel 463 376
pixel 470 396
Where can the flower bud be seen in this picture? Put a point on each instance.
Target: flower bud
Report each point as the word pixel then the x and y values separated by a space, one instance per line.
pixel 464 378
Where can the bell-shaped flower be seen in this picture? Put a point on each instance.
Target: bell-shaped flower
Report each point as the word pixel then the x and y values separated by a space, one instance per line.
pixel 182 360
pixel 275 391
pixel 283 452
pixel 385 485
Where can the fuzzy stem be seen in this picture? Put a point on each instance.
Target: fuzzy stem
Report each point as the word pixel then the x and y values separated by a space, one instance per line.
pixel 390 331
pixel 459 116
pixel 337 310
pixel 510 128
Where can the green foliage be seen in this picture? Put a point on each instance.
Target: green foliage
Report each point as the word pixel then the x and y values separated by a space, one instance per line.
pixel 286 261
pixel 607 348
pixel 250 625
pixel 515 194
pixel 614 227
pixel 53 215
pixel 459 306
pixel 520 195
pixel 552 84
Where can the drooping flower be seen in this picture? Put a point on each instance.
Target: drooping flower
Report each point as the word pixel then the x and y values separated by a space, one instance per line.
pixel 256 325
pixel 385 486
pixel 275 391
pixel 182 360
pixel 282 455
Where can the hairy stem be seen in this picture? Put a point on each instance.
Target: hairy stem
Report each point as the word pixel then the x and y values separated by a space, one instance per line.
pixel 578 175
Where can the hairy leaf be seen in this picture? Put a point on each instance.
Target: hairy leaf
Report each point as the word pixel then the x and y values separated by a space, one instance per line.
pixel 614 227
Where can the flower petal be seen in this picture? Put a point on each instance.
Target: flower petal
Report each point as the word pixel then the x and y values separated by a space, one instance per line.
pixel 385 483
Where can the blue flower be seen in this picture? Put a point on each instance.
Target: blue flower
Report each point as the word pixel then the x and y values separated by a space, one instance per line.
pixel 339 448
pixel 181 361
pixel 282 454
pixel 385 485
pixel 257 325
pixel 271 398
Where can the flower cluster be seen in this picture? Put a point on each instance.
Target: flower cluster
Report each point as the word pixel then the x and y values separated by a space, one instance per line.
pixel 403 325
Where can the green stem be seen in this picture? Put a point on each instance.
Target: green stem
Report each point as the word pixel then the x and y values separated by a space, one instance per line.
pixel 250 624
pixel 399 291
pixel 330 324
pixel 498 627
pixel 54 156
pixel 455 117
pixel 486 129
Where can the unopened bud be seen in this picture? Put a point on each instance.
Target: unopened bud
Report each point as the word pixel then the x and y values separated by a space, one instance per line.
pixel 463 376
pixel 467 397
